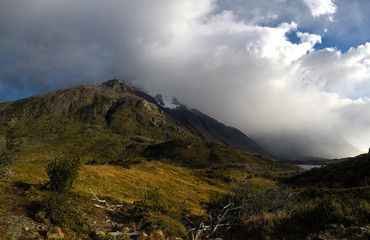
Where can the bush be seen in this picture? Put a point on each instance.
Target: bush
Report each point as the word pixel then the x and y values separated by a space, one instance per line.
pixel 62 174
pixel 171 226
pixel 153 201
pixel 61 210
pixel 156 209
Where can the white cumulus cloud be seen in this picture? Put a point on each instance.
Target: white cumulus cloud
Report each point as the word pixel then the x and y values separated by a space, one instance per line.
pixel 321 7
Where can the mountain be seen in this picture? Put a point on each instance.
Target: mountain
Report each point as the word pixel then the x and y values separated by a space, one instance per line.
pixel 210 129
pixel 101 123
pixel 97 123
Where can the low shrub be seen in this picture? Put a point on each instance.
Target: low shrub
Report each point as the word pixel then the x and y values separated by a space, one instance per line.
pixel 61 210
pixel 156 209
pixel 171 226
pixel 62 173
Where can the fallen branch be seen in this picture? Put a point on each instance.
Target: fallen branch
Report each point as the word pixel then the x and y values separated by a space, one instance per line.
pixel 108 207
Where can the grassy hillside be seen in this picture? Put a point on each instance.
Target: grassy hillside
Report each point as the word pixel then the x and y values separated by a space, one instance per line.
pixel 354 172
pixel 94 123
pixel 183 191
pixel 211 155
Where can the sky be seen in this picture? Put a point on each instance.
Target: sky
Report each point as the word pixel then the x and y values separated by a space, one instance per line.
pixel 292 74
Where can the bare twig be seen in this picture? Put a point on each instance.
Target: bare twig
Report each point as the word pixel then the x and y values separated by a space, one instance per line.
pixel 108 207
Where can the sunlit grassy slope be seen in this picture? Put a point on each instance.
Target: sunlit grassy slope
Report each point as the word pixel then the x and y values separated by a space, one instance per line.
pixel 117 184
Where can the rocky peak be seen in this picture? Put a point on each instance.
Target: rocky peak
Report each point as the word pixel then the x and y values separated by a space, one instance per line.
pixel 175 101
pixel 115 88
pixel 115 85
pixel 111 83
pixel 159 99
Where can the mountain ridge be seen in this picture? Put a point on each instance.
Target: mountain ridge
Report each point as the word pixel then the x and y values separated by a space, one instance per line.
pixel 114 111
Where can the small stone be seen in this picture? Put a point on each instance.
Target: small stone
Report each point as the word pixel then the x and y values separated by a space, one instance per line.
pixel 55 233
pixel 100 233
pixel 159 233
pixel 115 234
pixel 143 236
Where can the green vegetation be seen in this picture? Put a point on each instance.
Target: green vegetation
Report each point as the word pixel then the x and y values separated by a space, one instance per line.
pixel 352 173
pixel 313 212
pixel 62 174
pixel 212 156
pixel 155 208
pixel 62 210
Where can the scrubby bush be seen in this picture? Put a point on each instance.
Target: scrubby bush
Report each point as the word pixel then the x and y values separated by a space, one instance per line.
pixel 62 210
pixel 156 209
pixel 171 226
pixel 62 174
pixel 154 201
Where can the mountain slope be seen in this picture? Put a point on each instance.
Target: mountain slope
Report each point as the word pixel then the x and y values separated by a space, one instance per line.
pixel 210 129
pixel 354 172
pixel 212 155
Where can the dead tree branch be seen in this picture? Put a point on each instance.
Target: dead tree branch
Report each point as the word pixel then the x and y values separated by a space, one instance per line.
pixel 222 220
pixel 107 206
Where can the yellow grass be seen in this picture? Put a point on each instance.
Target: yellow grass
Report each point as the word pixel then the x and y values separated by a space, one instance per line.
pixel 31 173
pixel 127 185
pixel 260 182
pixel 117 184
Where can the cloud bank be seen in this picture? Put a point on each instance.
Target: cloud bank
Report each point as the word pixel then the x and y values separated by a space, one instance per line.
pixel 234 63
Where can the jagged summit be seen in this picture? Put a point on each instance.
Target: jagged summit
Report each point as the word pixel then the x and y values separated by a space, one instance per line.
pixel 175 101
pixel 159 99
pixel 116 86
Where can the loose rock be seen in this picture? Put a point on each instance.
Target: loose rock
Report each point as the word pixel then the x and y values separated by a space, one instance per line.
pixel 55 233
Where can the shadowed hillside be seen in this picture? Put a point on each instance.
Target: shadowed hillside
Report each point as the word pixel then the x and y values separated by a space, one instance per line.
pixel 354 172
pixel 210 129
